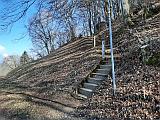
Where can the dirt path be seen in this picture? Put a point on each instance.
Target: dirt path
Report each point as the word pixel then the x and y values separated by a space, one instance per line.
pixel 20 106
pixel 2 118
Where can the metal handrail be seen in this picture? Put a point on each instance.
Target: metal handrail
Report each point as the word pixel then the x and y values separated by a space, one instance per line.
pixel 111 47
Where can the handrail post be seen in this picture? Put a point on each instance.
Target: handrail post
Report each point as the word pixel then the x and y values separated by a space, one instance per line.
pixel 103 47
pixel 111 47
pixel 94 41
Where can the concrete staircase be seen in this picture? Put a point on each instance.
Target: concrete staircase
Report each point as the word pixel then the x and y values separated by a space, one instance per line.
pixel 94 80
pixel 97 76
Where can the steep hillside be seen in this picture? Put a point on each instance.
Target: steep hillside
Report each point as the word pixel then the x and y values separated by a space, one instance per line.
pixel 55 76
pixel 50 81
pixel 138 76
pixel 54 79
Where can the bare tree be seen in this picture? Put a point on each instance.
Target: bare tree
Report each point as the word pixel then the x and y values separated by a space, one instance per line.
pixel 41 33
pixel 12 61
pixel 59 21
pixel 14 11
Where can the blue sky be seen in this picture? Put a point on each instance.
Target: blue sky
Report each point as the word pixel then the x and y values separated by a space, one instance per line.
pixel 9 43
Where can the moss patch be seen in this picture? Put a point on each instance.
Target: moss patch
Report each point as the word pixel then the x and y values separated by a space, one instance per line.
pixel 154 60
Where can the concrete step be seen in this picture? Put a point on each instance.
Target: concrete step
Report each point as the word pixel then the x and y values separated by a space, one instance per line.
pixel 82 96
pixel 103 71
pixel 86 92
pixel 95 80
pixel 116 56
pixel 90 86
pixel 105 66
pixel 106 62
pixel 100 74
pixel 107 51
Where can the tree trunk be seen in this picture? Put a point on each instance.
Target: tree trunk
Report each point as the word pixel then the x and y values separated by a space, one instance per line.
pixel 89 22
pixel 126 12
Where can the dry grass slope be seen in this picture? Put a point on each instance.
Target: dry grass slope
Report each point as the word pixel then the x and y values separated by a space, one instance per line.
pixel 51 78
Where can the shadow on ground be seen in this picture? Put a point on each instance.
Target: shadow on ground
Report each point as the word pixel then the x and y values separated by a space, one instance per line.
pixel 20 106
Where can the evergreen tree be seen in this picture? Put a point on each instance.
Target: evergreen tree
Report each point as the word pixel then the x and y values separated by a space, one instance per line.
pixel 24 58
